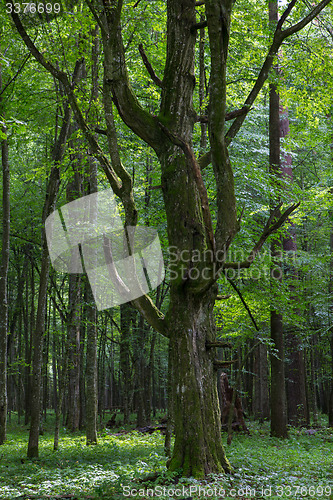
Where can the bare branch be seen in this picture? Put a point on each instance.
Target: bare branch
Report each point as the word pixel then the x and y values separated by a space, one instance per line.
pixel 151 313
pixel 149 67
pixel 222 297
pixel 234 286
pixel 205 160
pixel 229 116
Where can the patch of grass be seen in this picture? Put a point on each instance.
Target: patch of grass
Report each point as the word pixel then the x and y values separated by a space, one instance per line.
pixel 133 466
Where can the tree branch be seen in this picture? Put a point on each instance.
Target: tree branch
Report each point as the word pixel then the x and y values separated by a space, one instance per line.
pixel 149 67
pixel 96 16
pixel 279 37
pixel 25 60
pixel 286 14
pixel 151 313
pixel 234 286
pixel 270 227
pixel 307 19
pixel 223 364
pixel 229 116
pixel 198 26
pixel 129 108
pixel 222 297
pixel 205 160
pixel 218 343
pixel 68 87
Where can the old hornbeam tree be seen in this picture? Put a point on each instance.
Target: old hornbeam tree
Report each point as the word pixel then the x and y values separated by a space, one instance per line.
pixel 192 224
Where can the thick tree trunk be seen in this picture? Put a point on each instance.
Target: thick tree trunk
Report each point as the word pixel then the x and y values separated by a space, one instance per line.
pixel 3 284
pixel 198 448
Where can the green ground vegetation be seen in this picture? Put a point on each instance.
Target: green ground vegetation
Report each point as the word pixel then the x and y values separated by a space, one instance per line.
pixel 132 465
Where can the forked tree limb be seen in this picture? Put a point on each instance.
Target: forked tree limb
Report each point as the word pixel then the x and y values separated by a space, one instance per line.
pixel 229 116
pixel 270 227
pixel 279 36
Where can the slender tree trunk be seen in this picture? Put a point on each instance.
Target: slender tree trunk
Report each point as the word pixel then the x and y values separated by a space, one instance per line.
pixel 3 282
pixel 202 85
pixel 91 311
pixel 278 395
pixel 73 332
pixel 74 190
pixel 37 338
pixel 125 367
pixel 330 289
pixel 62 378
pixel 261 387
pixel 330 407
pixel 91 370
pixel 28 342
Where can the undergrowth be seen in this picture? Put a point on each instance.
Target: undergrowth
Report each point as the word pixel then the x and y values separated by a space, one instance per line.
pixel 133 466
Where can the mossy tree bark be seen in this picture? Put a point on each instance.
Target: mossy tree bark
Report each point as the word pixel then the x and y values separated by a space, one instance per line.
pixel 198 448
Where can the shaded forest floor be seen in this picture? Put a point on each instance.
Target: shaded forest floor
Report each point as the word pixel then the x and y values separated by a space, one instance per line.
pixel 264 467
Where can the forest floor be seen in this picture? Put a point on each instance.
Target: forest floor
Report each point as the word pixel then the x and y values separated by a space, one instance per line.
pixel 264 467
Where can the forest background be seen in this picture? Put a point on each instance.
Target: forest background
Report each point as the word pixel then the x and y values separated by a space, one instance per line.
pixel 273 316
